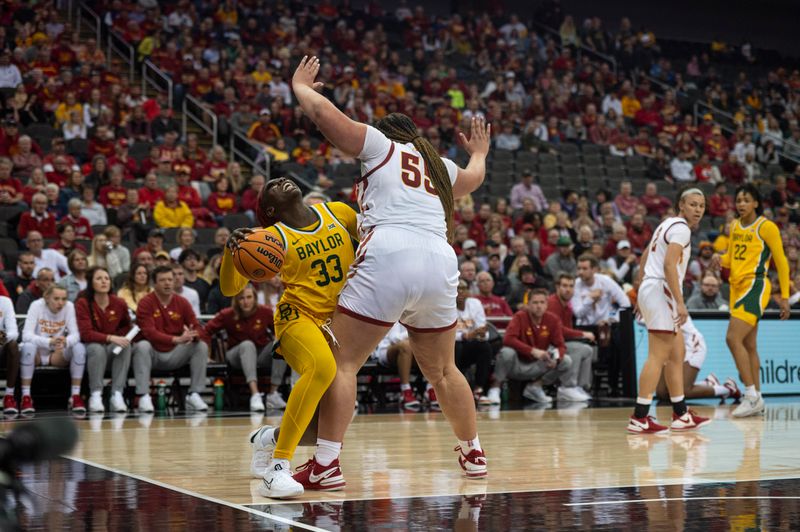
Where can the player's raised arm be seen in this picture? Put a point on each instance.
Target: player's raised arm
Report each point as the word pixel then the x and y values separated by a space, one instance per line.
pixel 477 145
pixel 344 133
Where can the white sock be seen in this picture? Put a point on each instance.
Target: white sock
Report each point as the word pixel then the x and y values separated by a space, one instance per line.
pixel 721 391
pixel 10 391
pixel 404 387
pixel 26 390
pixel 76 390
pixel 469 445
pixel 327 451
pixel 644 400
pixel 677 398
pixel 279 463
pixel 428 386
pixel 267 437
pixel 750 391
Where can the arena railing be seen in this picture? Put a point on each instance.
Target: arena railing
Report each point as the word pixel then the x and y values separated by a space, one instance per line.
pixel 156 78
pixel 249 152
pixel 86 16
pixel 197 112
pixel 582 49
pixel 119 46
pixel 728 123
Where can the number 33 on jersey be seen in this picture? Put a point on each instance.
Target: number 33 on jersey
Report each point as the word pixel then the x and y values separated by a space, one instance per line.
pixel 317 258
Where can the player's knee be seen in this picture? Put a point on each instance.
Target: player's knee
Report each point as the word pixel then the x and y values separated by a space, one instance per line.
pixel 324 371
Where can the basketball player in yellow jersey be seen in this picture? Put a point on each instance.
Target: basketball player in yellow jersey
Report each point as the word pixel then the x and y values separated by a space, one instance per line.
pixel 318 243
pixel 753 241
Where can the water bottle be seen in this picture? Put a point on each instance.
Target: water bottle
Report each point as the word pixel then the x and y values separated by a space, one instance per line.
pixel 504 393
pixel 219 394
pixel 161 398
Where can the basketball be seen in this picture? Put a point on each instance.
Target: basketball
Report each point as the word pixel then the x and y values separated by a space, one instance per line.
pixel 260 256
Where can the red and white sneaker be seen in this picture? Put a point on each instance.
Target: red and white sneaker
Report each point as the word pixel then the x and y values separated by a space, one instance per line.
pixel 433 402
pixel 712 380
pixel 473 464
pixel 409 401
pixel 10 406
pixel 645 425
pixel 688 421
pixel 313 476
pixel 76 404
pixel 27 405
pixel 736 393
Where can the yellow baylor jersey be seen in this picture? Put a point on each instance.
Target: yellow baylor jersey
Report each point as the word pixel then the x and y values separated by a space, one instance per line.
pixel 750 250
pixel 316 263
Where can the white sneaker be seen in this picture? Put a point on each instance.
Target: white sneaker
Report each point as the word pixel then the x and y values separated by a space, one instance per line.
pixel 278 482
pixel 534 392
pixel 274 400
pixel 195 402
pixel 750 406
pixel 586 395
pixel 261 454
pixel 492 397
pixel 712 380
pixel 256 403
pixel 96 403
pixel 118 403
pixel 146 404
pixel 570 394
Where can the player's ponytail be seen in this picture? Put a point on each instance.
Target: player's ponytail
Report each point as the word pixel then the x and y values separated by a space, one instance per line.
pixel 399 128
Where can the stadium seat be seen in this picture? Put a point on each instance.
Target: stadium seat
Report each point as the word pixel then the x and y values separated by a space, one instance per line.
pixel 235 221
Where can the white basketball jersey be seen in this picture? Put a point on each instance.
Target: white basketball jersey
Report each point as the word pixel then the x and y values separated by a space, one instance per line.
pixel 394 188
pixel 673 230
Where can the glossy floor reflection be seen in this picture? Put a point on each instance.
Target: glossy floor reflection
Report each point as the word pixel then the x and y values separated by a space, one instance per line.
pixel 549 469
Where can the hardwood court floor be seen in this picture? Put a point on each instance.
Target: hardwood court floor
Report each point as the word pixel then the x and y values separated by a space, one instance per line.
pixel 394 456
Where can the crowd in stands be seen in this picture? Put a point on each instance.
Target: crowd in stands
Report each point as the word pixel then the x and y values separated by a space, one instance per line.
pixel 94 174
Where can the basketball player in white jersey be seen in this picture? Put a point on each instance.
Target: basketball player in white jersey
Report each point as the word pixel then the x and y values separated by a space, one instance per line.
pixel 405 268
pixel 661 305
pixel 694 346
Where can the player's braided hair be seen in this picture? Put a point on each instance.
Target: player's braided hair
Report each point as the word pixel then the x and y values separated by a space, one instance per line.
pixel 399 128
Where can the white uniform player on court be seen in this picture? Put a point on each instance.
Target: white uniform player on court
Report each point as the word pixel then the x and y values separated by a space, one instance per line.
pixel 661 305
pixel 405 269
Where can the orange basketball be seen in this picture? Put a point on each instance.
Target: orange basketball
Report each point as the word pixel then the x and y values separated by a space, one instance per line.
pixel 260 256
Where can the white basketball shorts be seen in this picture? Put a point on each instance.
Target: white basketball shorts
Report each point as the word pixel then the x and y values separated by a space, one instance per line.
pixel 404 275
pixel 657 306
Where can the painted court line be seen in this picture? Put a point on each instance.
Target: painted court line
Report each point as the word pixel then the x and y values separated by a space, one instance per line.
pixel 214 500
pixel 667 499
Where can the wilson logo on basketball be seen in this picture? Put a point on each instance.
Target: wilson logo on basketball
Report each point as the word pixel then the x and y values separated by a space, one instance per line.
pixel 271 257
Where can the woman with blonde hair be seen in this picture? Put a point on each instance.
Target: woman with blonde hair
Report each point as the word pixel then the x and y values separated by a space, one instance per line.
pixel 101 255
pixel 185 238
pixel 136 286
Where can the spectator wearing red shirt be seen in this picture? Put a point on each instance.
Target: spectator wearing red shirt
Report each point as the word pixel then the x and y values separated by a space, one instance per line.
pixel 114 194
pixel 102 143
pixel 655 203
pixel 264 131
pixel 222 201
pixel 534 350
pixel 493 306
pixel 103 321
pixel 625 201
pixel 37 219
pixel 150 193
pixel 705 171
pixel 250 333
pixel 65 243
pixel 732 170
pixel 186 192
pixel 151 163
pixel 716 146
pixel 122 158
pixel 639 233
pixel 648 115
pixel 10 187
pixel 720 203
pixel 83 229
pixel 475 229
pixel 170 333
pixel 249 200
pixel 559 304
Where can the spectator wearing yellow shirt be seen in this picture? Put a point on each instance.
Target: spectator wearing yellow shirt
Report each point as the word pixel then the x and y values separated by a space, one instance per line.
pixel 261 75
pixel 66 107
pixel 630 104
pixel 171 212
pixel 227 14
